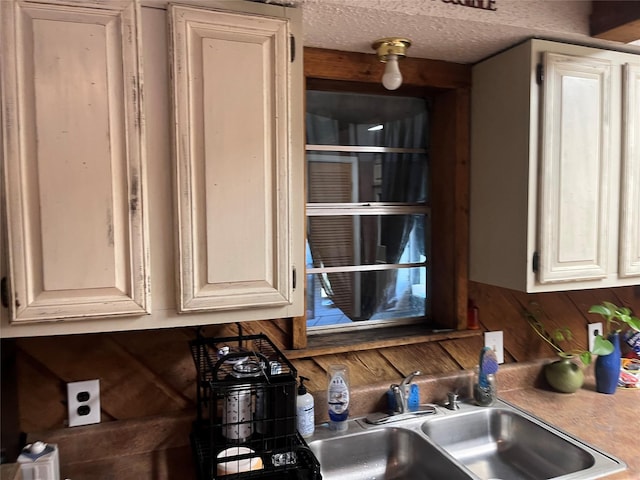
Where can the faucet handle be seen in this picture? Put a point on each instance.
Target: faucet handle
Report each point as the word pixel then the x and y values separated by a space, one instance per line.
pixel 452 401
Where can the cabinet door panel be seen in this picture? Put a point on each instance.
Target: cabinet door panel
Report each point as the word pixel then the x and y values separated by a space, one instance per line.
pixel 74 162
pixel 574 237
pixel 231 106
pixel 630 200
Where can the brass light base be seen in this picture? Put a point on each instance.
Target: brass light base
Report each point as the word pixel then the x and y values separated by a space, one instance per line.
pixel 391 46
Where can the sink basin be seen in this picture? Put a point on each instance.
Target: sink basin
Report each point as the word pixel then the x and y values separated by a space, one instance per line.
pixel 501 442
pixel 385 453
pixel 498 443
pixel 506 443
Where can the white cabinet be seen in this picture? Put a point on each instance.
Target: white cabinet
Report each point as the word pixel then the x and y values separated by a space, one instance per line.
pixel 237 92
pixel 98 194
pixel 553 127
pixel 73 161
pixel 630 198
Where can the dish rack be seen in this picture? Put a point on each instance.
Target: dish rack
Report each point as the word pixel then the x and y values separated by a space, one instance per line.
pixel 246 410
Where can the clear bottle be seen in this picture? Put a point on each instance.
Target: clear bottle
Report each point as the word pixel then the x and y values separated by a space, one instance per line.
pixel 305 410
pixel 338 397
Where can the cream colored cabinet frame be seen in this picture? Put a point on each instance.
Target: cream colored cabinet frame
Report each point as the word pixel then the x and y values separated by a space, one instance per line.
pixel 239 228
pixel 630 193
pixel 74 166
pixel 548 210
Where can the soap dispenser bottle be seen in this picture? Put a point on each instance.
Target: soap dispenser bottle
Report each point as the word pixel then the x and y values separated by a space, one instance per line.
pixel 305 410
pixel 338 397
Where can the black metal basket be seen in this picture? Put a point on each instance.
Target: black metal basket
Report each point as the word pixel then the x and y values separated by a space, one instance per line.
pixel 246 397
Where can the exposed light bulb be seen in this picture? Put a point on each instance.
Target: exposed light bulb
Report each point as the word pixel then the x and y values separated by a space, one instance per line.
pixel 375 128
pixel 392 78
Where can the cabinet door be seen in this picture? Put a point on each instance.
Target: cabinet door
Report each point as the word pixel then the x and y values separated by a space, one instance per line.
pixel 630 200
pixel 73 167
pixel 232 75
pixel 574 237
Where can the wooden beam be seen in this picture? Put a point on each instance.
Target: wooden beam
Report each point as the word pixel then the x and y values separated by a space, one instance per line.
pixel 362 67
pixel 617 20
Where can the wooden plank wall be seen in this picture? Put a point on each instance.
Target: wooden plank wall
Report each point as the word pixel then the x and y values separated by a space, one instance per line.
pixel 152 373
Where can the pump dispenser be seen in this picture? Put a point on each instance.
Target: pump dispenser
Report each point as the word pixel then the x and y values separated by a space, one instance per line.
pixel 305 410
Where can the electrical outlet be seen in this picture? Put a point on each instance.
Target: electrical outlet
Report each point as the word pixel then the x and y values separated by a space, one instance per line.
pixel 493 340
pixel 594 329
pixel 83 402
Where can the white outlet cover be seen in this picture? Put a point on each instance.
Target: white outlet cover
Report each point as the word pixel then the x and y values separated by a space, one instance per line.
pixel 493 340
pixel 83 411
pixel 594 329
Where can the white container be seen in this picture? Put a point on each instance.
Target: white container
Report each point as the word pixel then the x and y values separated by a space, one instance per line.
pixel 238 466
pixel 305 410
pixel 39 461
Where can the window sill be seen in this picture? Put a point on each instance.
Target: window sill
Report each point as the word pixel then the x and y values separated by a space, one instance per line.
pixel 371 339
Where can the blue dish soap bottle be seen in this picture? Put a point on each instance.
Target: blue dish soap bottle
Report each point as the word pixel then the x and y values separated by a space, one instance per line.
pixel 338 397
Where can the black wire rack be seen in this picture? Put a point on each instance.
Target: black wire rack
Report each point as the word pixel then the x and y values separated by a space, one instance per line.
pixel 246 412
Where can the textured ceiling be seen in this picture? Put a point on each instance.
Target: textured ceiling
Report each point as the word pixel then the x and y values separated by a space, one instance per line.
pixel 443 30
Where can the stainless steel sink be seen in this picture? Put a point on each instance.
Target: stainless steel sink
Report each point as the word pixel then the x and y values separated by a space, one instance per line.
pixel 385 453
pixel 503 443
pixel 500 442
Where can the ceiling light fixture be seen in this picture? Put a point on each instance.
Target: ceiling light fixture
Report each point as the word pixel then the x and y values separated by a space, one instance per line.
pixel 389 51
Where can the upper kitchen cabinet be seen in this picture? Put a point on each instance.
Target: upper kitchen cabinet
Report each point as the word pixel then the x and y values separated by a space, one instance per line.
pixel 630 203
pixel 555 168
pixel 74 168
pixel 237 88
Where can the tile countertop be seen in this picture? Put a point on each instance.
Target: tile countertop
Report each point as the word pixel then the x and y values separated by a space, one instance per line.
pixel 608 422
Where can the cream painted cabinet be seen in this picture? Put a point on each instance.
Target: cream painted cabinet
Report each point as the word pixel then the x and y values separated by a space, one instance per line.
pixel 195 174
pixel 237 95
pixel 630 195
pixel 73 168
pixel 553 128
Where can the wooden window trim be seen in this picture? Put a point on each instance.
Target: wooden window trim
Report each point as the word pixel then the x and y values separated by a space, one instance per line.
pixel 449 85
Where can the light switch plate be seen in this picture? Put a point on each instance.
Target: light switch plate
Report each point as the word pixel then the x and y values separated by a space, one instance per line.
pixel 493 340
pixel 83 402
pixel 594 329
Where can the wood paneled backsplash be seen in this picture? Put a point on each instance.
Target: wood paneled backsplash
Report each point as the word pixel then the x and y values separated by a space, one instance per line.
pixel 150 373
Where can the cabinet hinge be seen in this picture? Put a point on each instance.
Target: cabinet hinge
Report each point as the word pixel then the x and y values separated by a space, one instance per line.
pixel 535 263
pixel 4 292
pixel 293 48
pixel 539 73
pixel 295 277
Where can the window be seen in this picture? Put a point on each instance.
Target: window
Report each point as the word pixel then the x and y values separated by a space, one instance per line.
pixel 447 85
pixel 368 209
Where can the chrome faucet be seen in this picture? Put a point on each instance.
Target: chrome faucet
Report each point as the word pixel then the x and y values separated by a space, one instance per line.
pixel 401 395
pixel 401 392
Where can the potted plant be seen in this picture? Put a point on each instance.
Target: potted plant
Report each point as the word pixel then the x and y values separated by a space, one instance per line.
pixel 607 369
pixel 564 375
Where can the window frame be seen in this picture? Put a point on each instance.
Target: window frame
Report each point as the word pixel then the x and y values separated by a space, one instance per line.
pixel 369 207
pixel 448 86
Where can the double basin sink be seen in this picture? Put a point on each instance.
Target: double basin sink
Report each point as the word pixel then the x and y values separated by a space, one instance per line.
pixel 500 442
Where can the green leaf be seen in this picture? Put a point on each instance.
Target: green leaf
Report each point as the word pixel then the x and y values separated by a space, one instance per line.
pixel 602 346
pixel 600 309
pixel 558 336
pixel 634 322
pixel 585 357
